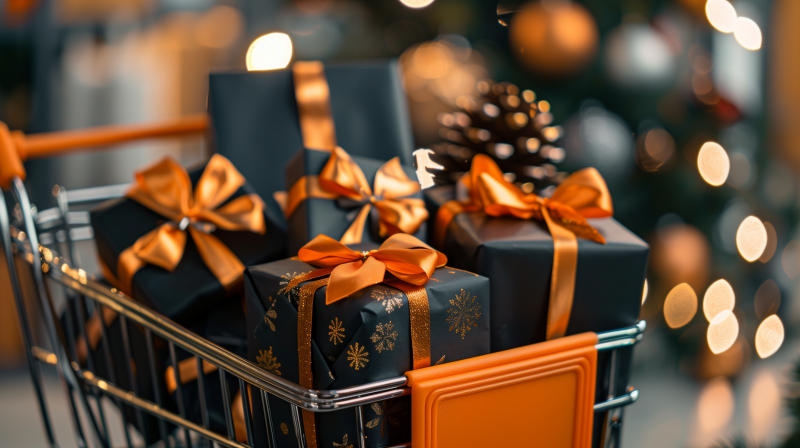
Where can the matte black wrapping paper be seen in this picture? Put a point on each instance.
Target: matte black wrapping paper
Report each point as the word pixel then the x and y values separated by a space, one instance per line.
pixel 185 293
pixel 331 217
pixel 517 255
pixel 255 122
pixel 358 340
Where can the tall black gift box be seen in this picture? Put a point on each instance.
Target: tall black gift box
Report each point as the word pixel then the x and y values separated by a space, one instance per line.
pixel 316 216
pixel 517 255
pixel 255 122
pixel 358 340
pixel 185 293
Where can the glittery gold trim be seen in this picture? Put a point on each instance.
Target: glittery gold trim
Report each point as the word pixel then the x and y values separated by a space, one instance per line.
pixel 304 316
pixel 420 322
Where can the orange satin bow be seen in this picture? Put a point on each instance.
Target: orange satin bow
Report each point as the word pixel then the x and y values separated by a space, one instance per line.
pixel 582 195
pixel 342 178
pixel 404 256
pixel 166 189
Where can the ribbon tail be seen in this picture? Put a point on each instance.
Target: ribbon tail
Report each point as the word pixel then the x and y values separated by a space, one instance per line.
pixel 444 217
pixel 355 232
pixel 562 282
pixel 304 329
pixel 223 263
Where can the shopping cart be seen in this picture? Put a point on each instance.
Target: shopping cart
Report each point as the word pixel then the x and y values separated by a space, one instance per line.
pixel 568 392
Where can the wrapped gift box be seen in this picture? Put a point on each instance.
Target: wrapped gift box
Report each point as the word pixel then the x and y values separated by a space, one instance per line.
pixel 256 125
pixel 332 217
pixel 517 255
pixel 191 288
pixel 360 339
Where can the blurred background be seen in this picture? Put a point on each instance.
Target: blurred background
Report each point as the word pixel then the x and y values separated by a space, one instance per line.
pixel 689 108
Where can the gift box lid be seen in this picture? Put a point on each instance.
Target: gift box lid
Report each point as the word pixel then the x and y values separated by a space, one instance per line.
pixel 255 122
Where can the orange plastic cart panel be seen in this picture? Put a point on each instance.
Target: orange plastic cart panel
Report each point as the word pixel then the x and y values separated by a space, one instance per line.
pixel 536 396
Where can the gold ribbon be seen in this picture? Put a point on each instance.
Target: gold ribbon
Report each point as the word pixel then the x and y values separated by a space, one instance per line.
pixel 582 195
pixel 342 178
pixel 166 189
pixel 402 261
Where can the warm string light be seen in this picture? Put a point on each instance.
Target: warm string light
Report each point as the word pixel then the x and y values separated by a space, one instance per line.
pixel 269 52
pixel 769 336
pixel 713 163
pixel 751 238
pixel 416 4
pixel 644 291
pixel 680 305
pixel 722 332
pixel 719 297
pixel 722 15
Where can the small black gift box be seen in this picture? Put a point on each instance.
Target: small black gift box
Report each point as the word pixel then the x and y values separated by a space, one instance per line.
pixel 333 216
pixel 360 339
pixel 517 255
pixel 186 291
pixel 256 124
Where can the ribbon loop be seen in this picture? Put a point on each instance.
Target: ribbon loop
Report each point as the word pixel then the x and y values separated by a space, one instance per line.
pixel 582 195
pixel 166 189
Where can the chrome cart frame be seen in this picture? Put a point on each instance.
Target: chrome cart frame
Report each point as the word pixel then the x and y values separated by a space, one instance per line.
pixel 30 240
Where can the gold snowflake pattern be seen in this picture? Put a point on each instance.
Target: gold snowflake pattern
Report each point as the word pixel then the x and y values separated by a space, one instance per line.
pixel 381 410
pixel 384 337
pixel 464 313
pixel 287 278
pixel 337 331
pixel 390 299
pixel 271 314
pixel 357 356
pixel 284 428
pixel 268 362
pixel 344 443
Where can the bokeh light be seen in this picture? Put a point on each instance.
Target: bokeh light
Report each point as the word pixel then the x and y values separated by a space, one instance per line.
pixel 716 405
pixel 681 253
pixel 747 33
pixel 769 336
pixel 219 27
pixel 416 3
pixel 790 259
pixel 654 150
pixel 767 300
pixel 751 238
pixel 680 306
pixel 269 52
pixel 713 163
pixel 772 243
pixel 722 332
pixel 719 297
pixel 765 404
pixel 721 15
pixel 645 290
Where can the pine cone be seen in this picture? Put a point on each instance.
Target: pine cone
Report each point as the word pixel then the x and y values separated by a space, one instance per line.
pixel 508 125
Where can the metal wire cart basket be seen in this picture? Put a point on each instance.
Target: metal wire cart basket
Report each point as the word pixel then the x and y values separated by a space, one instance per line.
pixel 39 246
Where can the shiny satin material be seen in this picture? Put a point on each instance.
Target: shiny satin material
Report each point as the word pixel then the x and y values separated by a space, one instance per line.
pixel 166 189
pixel 341 177
pixel 314 105
pixel 404 256
pixel 304 327
pixel 582 195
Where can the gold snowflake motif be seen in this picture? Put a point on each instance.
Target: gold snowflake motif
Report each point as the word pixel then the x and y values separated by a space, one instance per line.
pixel 357 356
pixel 284 428
pixel 384 337
pixel 381 410
pixel 388 298
pixel 288 277
pixel 268 362
pixel 271 314
pixel 344 443
pixel 441 360
pixel 464 313
pixel 337 331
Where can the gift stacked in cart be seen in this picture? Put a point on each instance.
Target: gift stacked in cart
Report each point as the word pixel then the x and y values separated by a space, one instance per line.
pixel 307 246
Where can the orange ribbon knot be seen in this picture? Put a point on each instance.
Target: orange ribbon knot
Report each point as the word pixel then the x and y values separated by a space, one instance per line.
pixel 342 179
pixel 166 189
pixel 582 195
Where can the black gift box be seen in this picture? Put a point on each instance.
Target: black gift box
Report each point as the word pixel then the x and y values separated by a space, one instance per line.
pixel 517 255
pixel 255 122
pixel 191 288
pixel 325 216
pixel 358 340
